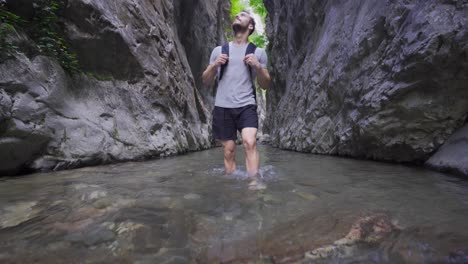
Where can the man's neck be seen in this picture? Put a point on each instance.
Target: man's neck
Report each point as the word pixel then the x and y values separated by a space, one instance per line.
pixel 241 38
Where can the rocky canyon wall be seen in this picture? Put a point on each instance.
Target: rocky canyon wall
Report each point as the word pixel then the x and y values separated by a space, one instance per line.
pixel 384 80
pixel 136 98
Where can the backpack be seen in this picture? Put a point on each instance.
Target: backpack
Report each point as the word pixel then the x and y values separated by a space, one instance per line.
pixel 250 50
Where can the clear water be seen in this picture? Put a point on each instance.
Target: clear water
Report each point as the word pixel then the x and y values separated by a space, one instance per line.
pixel 184 210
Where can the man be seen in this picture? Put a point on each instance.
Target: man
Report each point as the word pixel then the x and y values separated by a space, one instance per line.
pixel 235 104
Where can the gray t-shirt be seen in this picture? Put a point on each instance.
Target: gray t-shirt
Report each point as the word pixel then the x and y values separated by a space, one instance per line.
pixel 235 88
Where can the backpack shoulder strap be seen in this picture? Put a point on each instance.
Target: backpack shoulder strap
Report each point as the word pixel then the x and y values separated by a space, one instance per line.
pixel 224 50
pixel 251 50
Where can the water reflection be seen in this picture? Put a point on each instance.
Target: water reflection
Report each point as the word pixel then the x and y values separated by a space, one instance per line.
pixel 315 209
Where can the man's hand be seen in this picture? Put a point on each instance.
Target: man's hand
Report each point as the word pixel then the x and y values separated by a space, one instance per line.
pixel 221 60
pixel 210 72
pixel 263 76
pixel 252 61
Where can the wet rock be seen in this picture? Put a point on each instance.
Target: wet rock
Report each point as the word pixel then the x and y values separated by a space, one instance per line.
pixel 81 186
pixel 305 196
pixel 382 80
pixel 94 195
pixel 13 215
pixel 79 219
pixel 264 139
pixel 102 203
pixel 429 244
pixel 368 231
pixel 127 227
pixel 92 237
pixel 192 196
pixel 453 155
pixel 72 226
pixel 113 204
pixel 268 198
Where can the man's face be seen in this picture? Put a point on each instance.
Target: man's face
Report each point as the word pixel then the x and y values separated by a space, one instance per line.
pixel 241 22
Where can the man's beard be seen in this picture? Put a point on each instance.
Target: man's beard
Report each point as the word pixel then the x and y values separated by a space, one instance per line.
pixel 237 28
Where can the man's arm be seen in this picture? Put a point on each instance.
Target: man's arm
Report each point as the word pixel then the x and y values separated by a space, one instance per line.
pixel 263 77
pixel 212 69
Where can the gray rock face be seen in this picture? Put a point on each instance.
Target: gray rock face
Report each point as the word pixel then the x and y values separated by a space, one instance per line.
pixel 139 102
pixel 453 155
pixel 383 80
pixel 202 28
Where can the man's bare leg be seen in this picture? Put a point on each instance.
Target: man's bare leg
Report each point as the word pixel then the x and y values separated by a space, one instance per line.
pixel 229 148
pixel 249 141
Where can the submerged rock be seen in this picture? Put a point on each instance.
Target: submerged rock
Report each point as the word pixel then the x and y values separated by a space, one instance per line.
pixel 18 213
pixel 368 231
pixel 192 196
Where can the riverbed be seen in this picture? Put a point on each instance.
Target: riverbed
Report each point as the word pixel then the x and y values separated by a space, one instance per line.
pixel 184 209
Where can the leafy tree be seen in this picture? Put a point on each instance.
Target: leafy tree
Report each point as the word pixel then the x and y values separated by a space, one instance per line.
pixel 236 7
pixel 258 40
pixel 259 8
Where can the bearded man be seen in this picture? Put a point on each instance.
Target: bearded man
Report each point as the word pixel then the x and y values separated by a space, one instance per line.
pixel 237 64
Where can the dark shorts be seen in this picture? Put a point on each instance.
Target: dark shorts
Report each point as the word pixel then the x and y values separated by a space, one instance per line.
pixel 227 121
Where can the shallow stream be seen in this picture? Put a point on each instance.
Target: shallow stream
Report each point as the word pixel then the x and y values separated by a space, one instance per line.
pixel 315 209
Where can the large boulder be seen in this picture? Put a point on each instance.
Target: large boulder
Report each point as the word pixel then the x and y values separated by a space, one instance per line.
pixel 136 98
pixel 453 155
pixel 372 79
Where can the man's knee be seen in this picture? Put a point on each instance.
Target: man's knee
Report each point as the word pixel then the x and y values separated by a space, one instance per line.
pixel 229 149
pixel 249 143
pixel 229 153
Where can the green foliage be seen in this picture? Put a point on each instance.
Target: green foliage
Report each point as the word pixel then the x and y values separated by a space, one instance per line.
pixel 8 22
pixel 259 40
pixel 45 30
pixel 259 8
pixel 236 8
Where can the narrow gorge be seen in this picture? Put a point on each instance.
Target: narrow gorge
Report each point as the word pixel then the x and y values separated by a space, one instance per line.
pixel 381 80
pixel 363 137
